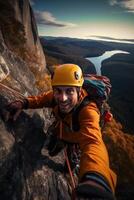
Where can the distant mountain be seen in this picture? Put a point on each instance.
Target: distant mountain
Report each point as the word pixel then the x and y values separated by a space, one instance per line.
pixel 78 47
pixel 120 69
pixel 111 38
pixel 73 50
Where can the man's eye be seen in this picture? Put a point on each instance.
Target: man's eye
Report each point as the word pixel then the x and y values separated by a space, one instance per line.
pixel 70 91
pixel 57 91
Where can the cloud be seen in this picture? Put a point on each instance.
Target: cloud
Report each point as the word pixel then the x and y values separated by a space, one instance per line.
pixel 128 5
pixel 46 18
pixel 113 2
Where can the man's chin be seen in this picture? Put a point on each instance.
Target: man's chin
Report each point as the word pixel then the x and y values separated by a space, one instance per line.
pixel 65 110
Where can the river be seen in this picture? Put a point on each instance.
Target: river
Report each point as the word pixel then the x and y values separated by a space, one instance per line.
pixel 98 60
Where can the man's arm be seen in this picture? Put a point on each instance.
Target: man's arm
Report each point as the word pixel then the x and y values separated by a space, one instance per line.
pixel 43 100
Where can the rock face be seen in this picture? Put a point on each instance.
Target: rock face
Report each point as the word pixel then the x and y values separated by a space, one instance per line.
pixel 15 71
pixel 24 14
pixel 21 56
pixel 26 171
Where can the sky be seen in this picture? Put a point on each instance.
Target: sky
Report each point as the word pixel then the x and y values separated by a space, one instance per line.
pixel 85 18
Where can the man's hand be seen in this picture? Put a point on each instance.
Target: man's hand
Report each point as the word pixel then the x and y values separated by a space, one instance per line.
pixel 14 109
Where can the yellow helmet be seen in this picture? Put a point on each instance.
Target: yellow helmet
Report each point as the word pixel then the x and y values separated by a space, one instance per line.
pixel 68 75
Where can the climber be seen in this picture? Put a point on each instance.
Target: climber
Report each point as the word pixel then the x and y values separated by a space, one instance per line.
pixel 96 179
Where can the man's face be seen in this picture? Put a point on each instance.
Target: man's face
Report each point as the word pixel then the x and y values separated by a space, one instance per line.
pixel 66 98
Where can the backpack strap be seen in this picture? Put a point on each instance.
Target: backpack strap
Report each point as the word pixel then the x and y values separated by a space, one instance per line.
pixel 75 115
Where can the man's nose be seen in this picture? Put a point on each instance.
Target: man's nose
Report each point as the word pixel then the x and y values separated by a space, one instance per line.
pixel 63 97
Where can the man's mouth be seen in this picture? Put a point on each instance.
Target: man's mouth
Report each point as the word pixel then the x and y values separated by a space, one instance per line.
pixel 64 105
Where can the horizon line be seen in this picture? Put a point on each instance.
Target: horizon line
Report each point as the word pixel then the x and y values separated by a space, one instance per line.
pixel 100 38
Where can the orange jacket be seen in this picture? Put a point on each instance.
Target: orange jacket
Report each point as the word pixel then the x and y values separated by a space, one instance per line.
pixel 94 156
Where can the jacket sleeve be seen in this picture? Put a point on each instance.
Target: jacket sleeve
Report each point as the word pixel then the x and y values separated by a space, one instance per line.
pixel 43 100
pixel 89 126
